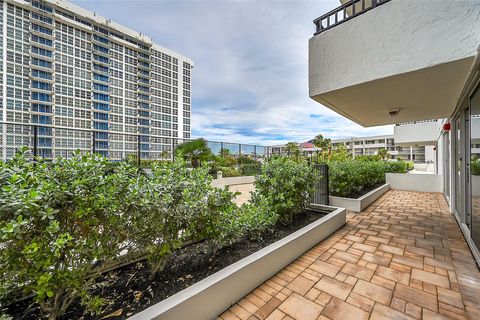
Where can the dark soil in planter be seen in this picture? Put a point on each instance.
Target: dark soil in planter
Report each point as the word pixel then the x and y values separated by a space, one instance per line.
pixel 361 193
pixel 129 290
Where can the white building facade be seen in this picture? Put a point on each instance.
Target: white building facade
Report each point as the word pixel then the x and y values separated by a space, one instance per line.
pixel 66 68
pixel 371 145
pixel 390 61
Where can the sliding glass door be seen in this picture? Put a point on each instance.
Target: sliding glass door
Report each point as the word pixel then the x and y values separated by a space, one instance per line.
pixel 474 167
pixel 446 165
pixel 457 139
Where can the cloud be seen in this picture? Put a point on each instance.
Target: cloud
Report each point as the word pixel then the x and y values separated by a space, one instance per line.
pixel 250 80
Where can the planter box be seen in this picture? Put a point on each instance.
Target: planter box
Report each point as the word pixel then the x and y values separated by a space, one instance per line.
pixel 211 296
pixel 359 204
pixel 415 182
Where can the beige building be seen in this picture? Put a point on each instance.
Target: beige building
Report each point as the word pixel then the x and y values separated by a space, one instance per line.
pixel 371 145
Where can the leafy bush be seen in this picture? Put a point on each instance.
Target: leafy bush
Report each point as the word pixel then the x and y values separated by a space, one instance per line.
pixel 182 207
pixel 251 169
pixel 246 159
pixel 230 172
pixel 62 221
pixel 410 165
pixel 350 178
pixel 226 171
pixel 57 221
pixel 475 166
pixel 286 186
pixel 395 166
pixel 250 221
pixel 368 157
pixel 340 153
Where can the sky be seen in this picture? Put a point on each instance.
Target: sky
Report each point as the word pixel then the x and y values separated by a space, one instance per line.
pixel 250 76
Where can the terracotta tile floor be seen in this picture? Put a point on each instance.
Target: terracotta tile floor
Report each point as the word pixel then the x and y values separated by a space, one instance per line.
pixel 404 257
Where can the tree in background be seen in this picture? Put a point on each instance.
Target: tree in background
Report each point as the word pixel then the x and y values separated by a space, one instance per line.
pixel 383 153
pixel 325 144
pixel 226 159
pixel 293 149
pixel 340 153
pixel 195 151
pixel 224 152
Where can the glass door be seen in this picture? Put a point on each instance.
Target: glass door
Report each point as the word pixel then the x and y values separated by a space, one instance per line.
pixel 446 165
pixel 474 221
pixel 459 200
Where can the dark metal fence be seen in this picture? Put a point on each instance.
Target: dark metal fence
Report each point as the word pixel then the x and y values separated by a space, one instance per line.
pixel 321 193
pixel 344 12
pixel 50 142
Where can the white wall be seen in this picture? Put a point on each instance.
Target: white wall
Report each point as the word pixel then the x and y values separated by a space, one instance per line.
pixel 415 182
pixel 394 38
pixel 423 133
pixel 430 154
pixel 407 55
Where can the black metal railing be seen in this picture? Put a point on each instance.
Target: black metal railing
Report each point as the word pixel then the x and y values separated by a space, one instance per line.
pixel 321 193
pixel 344 13
pixel 51 142
pixel 416 122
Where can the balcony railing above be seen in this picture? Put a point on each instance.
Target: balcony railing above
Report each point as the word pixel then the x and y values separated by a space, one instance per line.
pixel 416 122
pixel 344 13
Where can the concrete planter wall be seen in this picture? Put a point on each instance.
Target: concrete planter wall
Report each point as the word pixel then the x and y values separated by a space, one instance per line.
pixel 222 182
pixel 359 204
pixel 415 182
pixel 211 296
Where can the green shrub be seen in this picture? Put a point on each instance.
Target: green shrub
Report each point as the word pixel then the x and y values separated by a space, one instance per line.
pixel 369 157
pixel 395 166
pixel 475 166
pixel 410 165
pixel 246 159
pixel 57 221
pixel 350 178
pixel 62 221
pixel 286 185
pixel 230 172
pixel 182 207
pixel 250 221
pixel 251 169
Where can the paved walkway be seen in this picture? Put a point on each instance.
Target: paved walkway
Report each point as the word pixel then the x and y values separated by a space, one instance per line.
pixel 244 190
pixel 404 257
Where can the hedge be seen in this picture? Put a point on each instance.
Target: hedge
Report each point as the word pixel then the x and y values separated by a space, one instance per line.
pixel 62 222
pixel 351 178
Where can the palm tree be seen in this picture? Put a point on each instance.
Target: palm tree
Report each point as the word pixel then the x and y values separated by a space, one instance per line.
pixel 322 143
pixel 383 153
pixel 293 150
pixel 195 151
pixel 224 152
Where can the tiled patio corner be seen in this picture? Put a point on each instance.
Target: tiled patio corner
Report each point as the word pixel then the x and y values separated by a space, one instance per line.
pixel 404 257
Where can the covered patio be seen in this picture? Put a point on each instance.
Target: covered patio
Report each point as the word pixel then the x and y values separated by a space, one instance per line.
pixel 404 257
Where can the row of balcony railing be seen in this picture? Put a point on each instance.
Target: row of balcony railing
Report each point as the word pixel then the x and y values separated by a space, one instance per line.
pixel 343 13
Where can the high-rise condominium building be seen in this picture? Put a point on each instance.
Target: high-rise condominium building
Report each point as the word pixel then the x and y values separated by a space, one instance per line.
pixel 66 68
